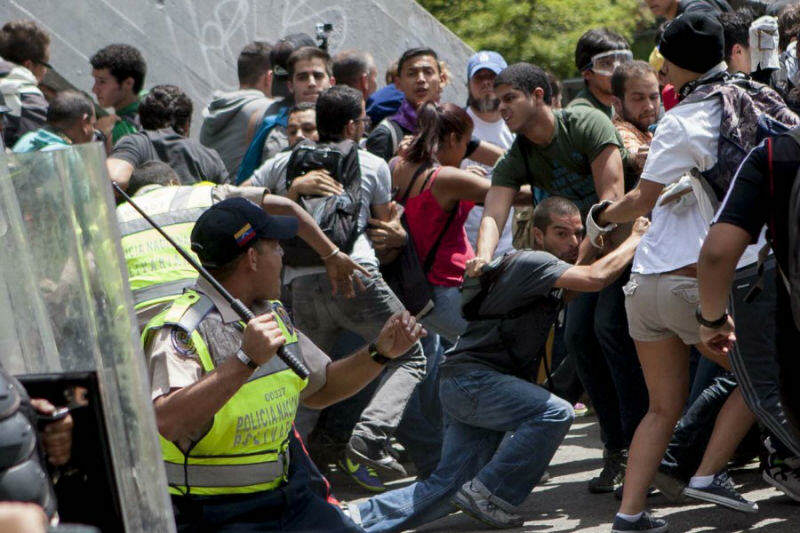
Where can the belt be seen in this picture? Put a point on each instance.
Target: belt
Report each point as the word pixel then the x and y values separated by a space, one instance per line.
pixel 689 271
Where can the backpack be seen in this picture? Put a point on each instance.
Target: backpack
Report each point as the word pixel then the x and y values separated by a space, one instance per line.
pixel 252 158
pixel 751 112
pixel 791 277
pixel 395 132
pixel 407 275
pixel 337 215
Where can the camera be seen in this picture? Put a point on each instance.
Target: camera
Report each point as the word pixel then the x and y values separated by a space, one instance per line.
pixel 323 30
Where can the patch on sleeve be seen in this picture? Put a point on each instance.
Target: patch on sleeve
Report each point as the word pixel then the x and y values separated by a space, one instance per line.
pixel 182 342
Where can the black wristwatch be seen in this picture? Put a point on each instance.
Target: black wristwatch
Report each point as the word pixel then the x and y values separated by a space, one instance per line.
pixel 713 324
pixel 376 356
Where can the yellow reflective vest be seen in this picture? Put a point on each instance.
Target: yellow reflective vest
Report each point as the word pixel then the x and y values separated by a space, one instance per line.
pixel 157 273
pixel 246 449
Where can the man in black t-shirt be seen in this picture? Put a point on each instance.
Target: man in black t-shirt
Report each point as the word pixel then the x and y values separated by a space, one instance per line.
pixel 166 114
pixel 486 388
pixel 759 195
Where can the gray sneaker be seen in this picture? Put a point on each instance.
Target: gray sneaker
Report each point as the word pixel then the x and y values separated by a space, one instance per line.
pixel 670 486
pixel 476 505
pixel 722 492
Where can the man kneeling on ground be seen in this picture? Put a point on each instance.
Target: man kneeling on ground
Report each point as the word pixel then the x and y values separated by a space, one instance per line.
pixel 501 429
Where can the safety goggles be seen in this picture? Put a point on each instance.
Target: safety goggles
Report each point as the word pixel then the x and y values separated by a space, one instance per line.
pixel 605 63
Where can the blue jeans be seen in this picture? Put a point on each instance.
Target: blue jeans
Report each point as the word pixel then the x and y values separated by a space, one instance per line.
pixel 445 319
pixel 420 430
pixel 597 339
pixel 499 431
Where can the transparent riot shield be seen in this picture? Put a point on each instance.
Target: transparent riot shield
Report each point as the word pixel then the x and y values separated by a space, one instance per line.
pixel 66 307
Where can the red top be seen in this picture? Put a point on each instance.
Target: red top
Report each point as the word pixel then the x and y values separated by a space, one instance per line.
pixel 426 220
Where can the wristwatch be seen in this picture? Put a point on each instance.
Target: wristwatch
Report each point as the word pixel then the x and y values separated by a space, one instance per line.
pixel 713 324
pixel 244 358
pixel 376 356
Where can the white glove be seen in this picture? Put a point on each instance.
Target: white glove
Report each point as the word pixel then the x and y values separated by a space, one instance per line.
pixel 593 230
pixel 764 44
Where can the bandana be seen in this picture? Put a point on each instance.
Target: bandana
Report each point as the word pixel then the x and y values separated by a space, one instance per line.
pixel 406 116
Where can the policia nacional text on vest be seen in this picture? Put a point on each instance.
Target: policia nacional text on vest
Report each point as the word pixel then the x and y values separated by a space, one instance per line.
pixel 246 449
pixel 157 273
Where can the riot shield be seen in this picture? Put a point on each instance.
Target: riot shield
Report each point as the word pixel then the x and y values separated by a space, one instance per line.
pixel 67 308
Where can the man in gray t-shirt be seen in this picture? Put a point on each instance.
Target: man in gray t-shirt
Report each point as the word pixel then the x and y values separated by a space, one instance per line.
pixel 324 315
pixel 486 386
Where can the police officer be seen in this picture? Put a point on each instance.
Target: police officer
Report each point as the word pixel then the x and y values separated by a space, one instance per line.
pixel 156 271
pixel 224 404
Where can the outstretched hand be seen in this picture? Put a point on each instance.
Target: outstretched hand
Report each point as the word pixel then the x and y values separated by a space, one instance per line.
pixel 475 266
pixel 388 234
pixel 341 271
pixel 399 334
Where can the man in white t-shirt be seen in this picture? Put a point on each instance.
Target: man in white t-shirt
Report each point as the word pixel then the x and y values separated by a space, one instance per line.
pixel 483 108
pixel 325 316
pixel 662 296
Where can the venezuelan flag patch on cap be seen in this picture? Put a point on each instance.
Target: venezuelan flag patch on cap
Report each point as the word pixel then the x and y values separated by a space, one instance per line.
pixel 244 235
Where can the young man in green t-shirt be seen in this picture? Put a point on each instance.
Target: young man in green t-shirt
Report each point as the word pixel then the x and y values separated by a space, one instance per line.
pixel 574 153
pixel 118 71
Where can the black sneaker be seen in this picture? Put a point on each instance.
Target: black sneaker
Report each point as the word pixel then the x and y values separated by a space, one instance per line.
pixel 722 492
pixel 374 455
pixel 613 472
pixel 645 524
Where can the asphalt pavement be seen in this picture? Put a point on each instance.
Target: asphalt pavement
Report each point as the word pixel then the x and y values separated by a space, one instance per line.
pixel 565 504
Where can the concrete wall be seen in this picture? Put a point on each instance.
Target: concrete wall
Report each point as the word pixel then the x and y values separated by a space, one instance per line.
pixel 194 43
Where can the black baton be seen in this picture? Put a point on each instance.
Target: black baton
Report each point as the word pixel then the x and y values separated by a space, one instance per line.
pixel 246 314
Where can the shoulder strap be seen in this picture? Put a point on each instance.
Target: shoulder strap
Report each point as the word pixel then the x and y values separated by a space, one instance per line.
pixel 431 257
pixel 393 133
pixel 417 173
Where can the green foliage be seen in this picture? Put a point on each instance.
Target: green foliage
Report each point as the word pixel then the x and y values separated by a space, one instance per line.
pixel 540 31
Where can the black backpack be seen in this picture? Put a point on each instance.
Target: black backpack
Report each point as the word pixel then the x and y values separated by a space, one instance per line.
pixel 791 277
pixel 338 215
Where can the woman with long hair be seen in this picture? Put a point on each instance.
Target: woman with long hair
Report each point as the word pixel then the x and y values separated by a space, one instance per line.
pixel 437 196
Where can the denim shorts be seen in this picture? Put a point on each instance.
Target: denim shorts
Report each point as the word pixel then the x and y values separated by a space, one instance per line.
pixel 660 306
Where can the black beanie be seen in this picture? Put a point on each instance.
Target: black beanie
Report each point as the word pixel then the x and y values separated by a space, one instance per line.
pixel 693 41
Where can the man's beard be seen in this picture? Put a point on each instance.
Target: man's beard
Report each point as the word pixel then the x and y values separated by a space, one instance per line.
pixel 487 104
pixel 633 120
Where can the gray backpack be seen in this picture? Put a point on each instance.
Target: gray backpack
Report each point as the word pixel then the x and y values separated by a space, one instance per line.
pixel 751 112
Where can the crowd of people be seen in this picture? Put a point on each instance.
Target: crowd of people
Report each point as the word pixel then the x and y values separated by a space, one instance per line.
pixel 459 281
